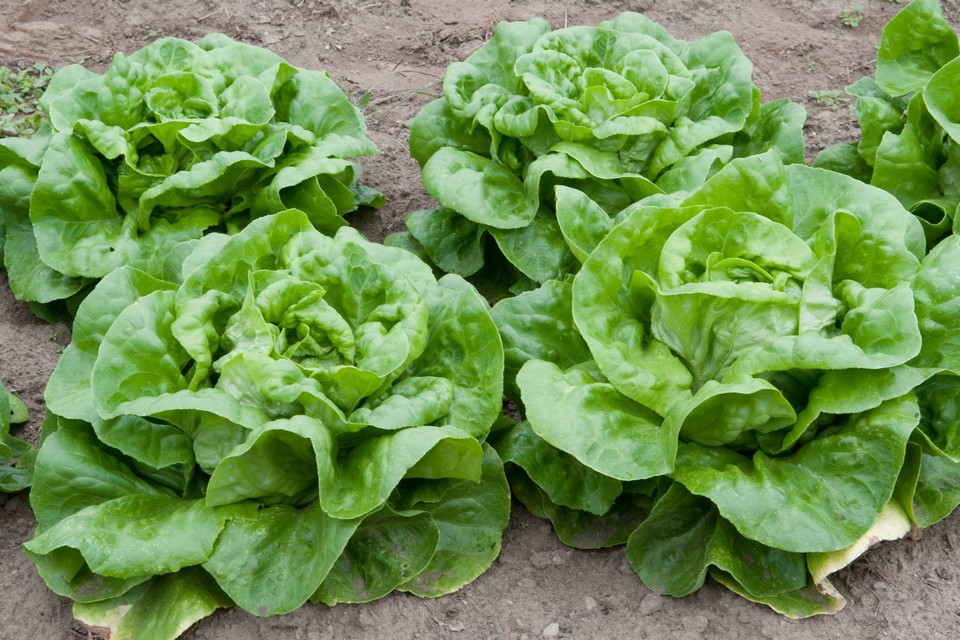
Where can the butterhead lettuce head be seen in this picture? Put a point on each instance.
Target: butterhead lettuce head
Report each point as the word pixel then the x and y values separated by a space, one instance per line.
pixel 619 111
pixel 741 381
pixel 173 141
pixel 300 417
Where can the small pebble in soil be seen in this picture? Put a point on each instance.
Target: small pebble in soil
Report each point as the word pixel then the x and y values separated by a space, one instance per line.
pixel 367 620
pixel 589 603
pixel 651 603
pixel 11 503
pixel 544 559
pixel 528 583
pixel 552 630
pixel 695 623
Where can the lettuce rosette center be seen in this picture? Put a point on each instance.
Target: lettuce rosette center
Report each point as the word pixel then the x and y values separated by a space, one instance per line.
pixel 299 417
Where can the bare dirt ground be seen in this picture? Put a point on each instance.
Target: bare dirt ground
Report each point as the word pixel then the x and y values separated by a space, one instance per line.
pixel 397 50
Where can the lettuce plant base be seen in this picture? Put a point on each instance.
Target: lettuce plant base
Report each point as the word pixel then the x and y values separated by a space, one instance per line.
pixel 898 586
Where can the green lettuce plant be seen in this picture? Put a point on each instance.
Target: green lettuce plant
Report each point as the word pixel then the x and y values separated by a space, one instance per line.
pixel 619 112
pixel 173 141
pixel 16 456
pixel 909 115
pixel 752 381
pixel 297 418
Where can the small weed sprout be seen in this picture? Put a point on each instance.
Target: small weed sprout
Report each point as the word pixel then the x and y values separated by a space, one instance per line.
pixel 832 99
pixel 19 92
pixel 852 16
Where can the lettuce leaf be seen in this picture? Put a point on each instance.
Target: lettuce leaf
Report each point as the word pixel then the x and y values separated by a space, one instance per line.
pixel 16 456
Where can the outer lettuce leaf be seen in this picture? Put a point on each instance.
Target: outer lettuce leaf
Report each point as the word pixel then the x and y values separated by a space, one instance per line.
pixel 471 519
pixel 584 415
pixel 184 597
pixel 538 325
pixel 914 45
pixel 845 476
pixel 16 456
pixel 684 536
pixel 565 481
pixel 387 550
pixel 799 603
pixel 937 491
pixel 135 535
pixel 263 563
pixel 582 529
pixel 28 276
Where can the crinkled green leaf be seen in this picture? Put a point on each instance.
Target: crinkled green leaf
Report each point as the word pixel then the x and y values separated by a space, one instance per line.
pixel 463 346
pixel 582 529
pixel 29 277
pixel 939 398
pixel 17 457
pixel 800 603
pixel 163 608
pixel 913 46
pixel 538 325
pixel 938 490
pixel 821 497
pixel 935 294
pixel 538 249
pixel 66 573
pixel 580 413
pixel 73 473
pixel 565 481
pixel 844 158
pixel 369 472
pixel 583 222
pixel 471 517
pixel 480 189
pixel 273 562
pixel 279 463
pixel 387 550
pixel 135 535
pixel 438 128
pixel 641 366
pixel 684 537
pixel 452 242
pixel 68 391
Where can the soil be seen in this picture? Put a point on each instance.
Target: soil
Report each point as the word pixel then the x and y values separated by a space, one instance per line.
pixel 397 51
